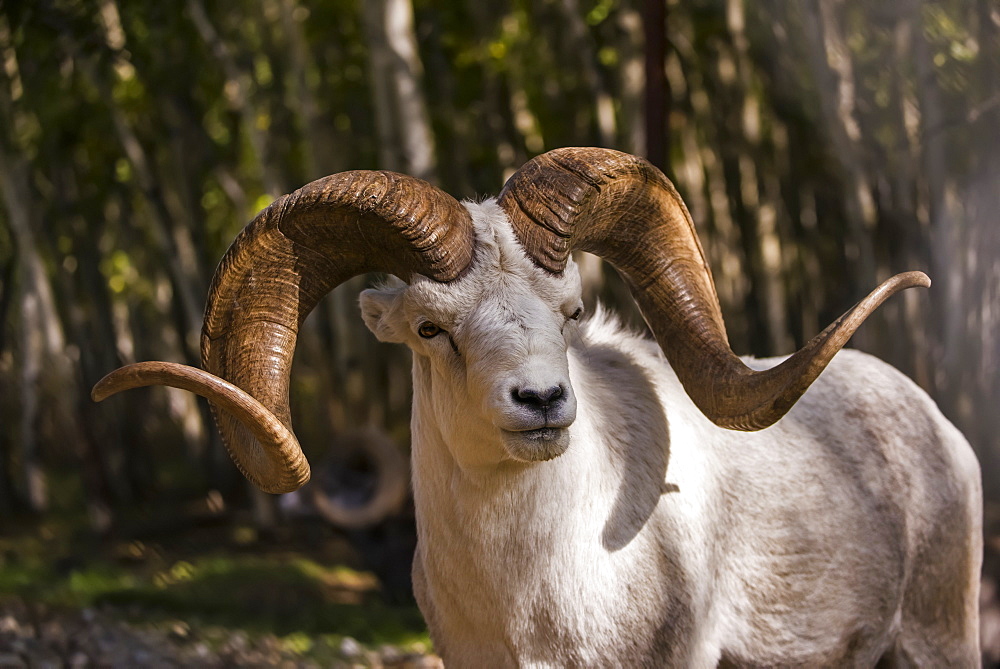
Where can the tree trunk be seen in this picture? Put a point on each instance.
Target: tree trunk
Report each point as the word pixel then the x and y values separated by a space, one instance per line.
pixel 406 142
pixel 8 499
pixel 318 155
pixel 830 62
pixel 237 90
pixel 758 193
pixel 945 270
pixel 582 53
pixel 40 334
pixel 630 24
pixel 654 24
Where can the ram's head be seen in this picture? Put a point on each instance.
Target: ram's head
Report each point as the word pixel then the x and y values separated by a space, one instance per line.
pixel 504 339
pixel 490 345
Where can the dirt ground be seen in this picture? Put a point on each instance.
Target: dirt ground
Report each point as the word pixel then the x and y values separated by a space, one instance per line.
pixel 31 636
pixel 36 637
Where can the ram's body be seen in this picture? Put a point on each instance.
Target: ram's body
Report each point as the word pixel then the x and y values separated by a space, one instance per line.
pixel 847 531
pixel 817 542
pixel 580 501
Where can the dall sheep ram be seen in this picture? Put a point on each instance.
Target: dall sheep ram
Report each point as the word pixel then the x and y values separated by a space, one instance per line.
pixel 586 496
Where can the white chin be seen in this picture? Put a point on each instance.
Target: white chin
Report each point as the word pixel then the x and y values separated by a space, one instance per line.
pixel 536 445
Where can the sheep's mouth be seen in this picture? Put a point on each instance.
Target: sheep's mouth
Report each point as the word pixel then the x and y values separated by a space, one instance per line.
pixel 538 444
pixel 541 434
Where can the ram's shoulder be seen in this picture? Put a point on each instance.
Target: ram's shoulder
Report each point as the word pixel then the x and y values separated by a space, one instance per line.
pixel 604 330
pixel 862 400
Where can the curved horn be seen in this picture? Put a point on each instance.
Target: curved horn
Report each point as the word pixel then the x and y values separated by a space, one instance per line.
pixel 391 484
pixel 625 210
pixel 280 265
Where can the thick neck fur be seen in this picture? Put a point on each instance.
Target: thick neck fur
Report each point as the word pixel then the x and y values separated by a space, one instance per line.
pixel 528 539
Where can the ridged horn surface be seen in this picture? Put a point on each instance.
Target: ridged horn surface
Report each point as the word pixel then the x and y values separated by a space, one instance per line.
pixel 623 209
pixel 280 265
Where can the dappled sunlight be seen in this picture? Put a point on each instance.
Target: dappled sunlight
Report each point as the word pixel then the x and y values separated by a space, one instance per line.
pixel 821 148
pixel 202 591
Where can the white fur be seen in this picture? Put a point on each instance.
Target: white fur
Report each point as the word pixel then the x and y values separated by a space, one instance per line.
pixel 847 531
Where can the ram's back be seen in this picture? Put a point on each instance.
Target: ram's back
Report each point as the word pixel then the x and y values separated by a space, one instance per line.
pixel 847 523
pixel 879 441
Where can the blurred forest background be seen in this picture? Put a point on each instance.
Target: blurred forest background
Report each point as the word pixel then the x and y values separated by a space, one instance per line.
pixel 821 146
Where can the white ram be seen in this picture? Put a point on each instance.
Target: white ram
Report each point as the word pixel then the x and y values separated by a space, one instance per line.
pixel 580 500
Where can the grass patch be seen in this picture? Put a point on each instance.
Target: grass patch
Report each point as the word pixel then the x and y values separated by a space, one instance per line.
pixel 288 596
pixel 297 596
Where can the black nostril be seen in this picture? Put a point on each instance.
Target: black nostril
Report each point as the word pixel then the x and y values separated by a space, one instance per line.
pixel 537 398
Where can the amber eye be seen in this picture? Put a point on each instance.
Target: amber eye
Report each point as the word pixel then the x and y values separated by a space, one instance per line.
pixel 428 330
pixel 576 314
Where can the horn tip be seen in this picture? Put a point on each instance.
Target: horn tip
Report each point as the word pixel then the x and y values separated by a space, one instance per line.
pixel 911 279
pixel 103 389
pixel 281 487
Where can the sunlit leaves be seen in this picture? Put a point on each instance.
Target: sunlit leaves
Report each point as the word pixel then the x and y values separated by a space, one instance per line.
pixel 955 47
pixel 262 202
pixel 600 11
pixel 117 267
pixel 216 124
pixel 262 71
pixel 123 171
pixel 128 90
pixel 180 572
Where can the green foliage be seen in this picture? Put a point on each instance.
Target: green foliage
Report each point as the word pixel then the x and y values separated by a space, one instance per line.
pixel 279 595
pixel 288 595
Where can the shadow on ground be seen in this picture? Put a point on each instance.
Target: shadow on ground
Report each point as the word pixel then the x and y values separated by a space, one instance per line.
pixel 207 592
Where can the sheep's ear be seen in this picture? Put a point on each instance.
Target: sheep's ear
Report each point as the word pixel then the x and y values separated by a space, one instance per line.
pixel 380 309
